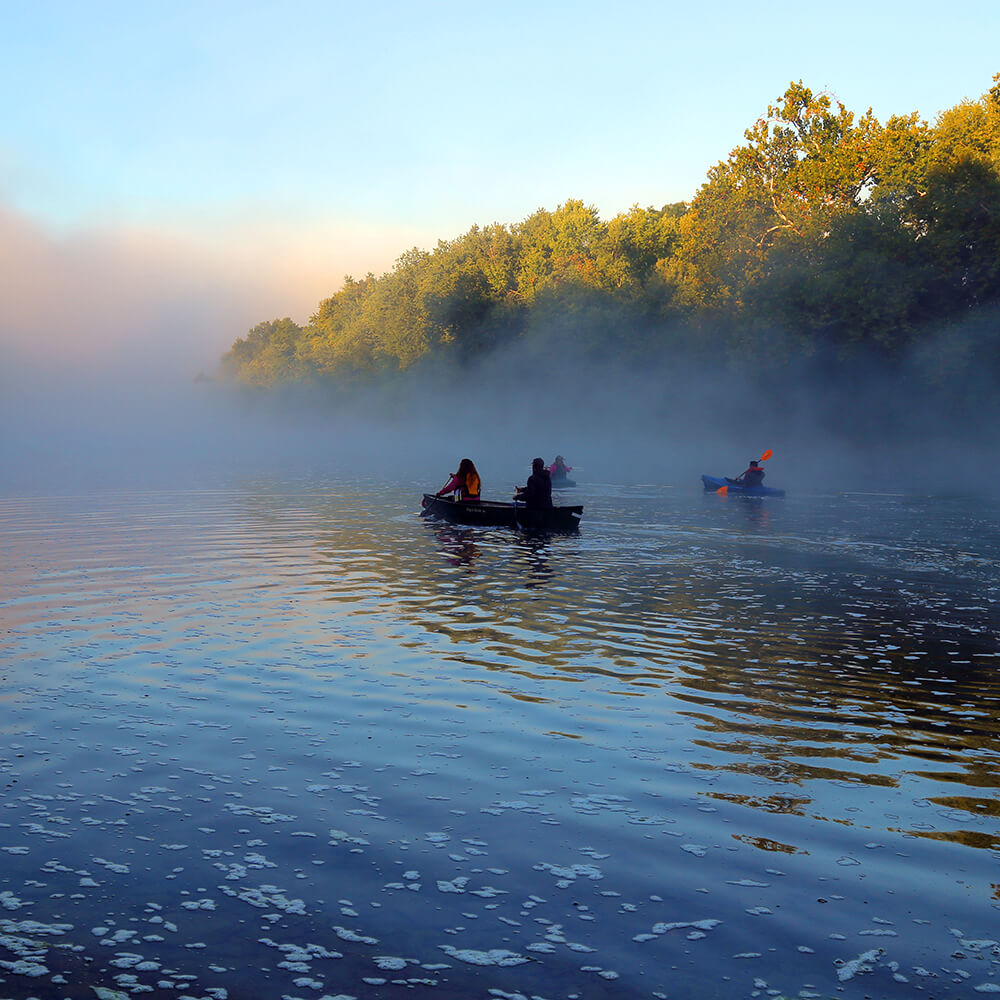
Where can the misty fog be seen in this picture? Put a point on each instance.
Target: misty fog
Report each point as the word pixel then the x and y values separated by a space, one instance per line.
pixel 109 345
pixel 146 421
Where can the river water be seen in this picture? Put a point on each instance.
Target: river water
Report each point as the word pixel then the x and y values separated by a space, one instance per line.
pixel 284 738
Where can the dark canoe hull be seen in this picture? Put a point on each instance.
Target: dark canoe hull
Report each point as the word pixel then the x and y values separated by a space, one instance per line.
pixel 714 483
pixel 493 514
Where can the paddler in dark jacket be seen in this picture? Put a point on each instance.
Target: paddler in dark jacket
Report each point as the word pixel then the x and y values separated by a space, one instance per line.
pixel 536 494
pixel 753 476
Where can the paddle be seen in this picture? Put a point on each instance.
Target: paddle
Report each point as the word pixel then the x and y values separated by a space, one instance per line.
pixel 724 490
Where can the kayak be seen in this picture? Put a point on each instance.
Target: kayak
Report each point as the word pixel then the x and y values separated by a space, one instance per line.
pixel 494 514
pixel 714 483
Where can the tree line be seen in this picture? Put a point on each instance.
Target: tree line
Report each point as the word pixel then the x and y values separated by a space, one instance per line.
pixel 826 235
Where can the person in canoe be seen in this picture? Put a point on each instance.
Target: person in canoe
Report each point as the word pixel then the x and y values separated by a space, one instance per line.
pixel 465 482
pixel 752 476
pixel 559 469
pixel 536 494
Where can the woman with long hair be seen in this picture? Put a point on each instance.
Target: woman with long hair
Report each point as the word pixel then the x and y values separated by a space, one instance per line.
pixel 465 482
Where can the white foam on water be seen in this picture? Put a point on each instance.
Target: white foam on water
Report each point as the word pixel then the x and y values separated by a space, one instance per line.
pixel 494 956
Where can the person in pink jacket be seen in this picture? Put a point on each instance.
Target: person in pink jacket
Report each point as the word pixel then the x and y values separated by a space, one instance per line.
pixel 465 482
pixel 559 469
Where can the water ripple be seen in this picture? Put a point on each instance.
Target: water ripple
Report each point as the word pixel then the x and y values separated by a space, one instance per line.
pixel 342 703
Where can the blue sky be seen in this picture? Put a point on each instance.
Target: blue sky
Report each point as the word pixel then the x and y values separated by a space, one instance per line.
pixel 307 140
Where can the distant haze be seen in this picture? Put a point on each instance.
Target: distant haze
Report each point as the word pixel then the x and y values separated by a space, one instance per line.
pixel 105 298
pixel 144 423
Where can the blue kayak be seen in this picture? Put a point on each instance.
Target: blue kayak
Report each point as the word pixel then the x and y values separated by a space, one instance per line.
pixel 714 483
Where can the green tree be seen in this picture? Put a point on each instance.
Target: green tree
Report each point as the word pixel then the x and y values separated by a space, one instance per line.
pixel 267 355
pixel 396 312
pixel 462 284
pixel 639 239
pixel 805 163
pixel 566 247
pixel 961 247
pixel 337 338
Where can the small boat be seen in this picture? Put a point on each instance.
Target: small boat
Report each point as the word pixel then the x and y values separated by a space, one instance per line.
pixel 713 484
pixel 562 482
pixel 495 514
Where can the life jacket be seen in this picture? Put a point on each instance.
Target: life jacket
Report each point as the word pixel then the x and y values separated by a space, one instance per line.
pixel 471 487
pixel 753 476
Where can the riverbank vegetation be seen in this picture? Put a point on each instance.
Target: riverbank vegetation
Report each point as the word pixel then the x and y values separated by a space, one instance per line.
pixel 827 239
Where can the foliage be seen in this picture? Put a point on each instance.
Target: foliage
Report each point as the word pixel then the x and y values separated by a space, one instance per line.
pixel 268 355
pixel 824 234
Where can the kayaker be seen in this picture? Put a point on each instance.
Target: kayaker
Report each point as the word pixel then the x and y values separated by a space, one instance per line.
pixel 465 482
pixel 559 469
pixel 753 476
pixel 537 492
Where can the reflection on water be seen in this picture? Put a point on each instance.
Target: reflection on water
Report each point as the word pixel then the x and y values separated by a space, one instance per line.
pixel 460 546
pixel 457 543
pixel 392 751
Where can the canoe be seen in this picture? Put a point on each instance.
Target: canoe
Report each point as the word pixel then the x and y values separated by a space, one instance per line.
pixel 713 483
pixel 562 482
pixel 494 514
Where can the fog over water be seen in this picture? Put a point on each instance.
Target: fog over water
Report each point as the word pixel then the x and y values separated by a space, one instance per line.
pixel 146 413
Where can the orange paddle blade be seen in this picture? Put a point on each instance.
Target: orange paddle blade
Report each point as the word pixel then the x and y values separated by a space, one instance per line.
pixel 723 490
pixel 767 454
